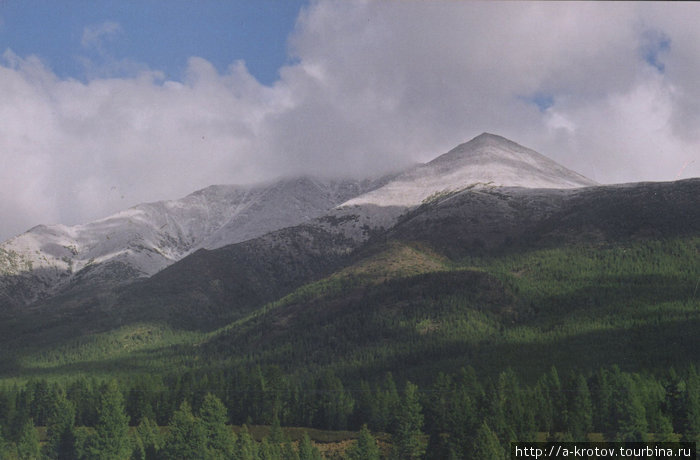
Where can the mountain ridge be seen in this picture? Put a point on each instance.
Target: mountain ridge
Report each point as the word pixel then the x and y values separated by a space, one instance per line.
pixel 148 237
pixel 487 159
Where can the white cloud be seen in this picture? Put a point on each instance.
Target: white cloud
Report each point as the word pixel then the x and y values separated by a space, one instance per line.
pixel 373 86
pixel 94 35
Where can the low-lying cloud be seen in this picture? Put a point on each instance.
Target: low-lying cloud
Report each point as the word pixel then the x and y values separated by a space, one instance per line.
pixel 609 90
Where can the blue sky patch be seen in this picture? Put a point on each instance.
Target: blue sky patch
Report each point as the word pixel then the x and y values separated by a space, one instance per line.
pixel 655 44
pixel 118 37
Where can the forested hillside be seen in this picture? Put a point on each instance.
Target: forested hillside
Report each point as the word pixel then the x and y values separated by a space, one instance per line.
pixel 485 315
pixel 592 341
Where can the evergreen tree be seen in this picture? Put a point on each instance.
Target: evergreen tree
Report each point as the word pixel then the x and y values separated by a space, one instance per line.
pixel 246 447
pixel 3 444
pixel 629 410
pixel 307 451
pixel 580 409
pixel 61 430
pixel 269 451
pixel 186 436
pixel 487 445
pixel 111 440
pixel 28 447
pixel 288 451
pixel 333 404
pixel 221 440
pixel 558 398
pixel 365 448
pixel 602 398
pixel 691 397
pixel 544 415
pixel 388 402
pixel 408 442
pixel 149 434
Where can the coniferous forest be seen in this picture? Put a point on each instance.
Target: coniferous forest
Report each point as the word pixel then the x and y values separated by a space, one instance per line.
pixel 404 353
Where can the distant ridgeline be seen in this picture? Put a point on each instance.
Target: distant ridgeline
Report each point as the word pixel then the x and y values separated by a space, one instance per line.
pixel 487 296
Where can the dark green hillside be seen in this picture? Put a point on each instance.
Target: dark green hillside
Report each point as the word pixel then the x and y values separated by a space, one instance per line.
pixel 544 315
pixel 504 220
pixel 636 305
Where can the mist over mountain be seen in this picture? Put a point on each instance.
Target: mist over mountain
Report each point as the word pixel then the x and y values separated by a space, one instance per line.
pixel 256 243
pixel 143 240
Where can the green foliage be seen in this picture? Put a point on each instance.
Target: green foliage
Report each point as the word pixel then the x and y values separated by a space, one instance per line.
pixel 408 438
pixel 365 448
pixel 148 434
pixel 307 451
pixel 60 430
pixel 221 440
pixel 27 447
pixel 111 440
pixel 487 445
pixel 539 334
pixel 186 436
pixel 580 413
pixel 246 447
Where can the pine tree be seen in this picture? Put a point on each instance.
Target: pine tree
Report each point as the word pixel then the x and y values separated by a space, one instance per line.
pixel 61 430
pixel 149 434
pixel 487 445
pixel 3 444
pixel 388 402
pixel 111 440
pixel 691 398
pixel 307 451
pixel 246 447
pixel 631 415
pixel 186 437
pixel 365 448
pixel 28 447
pixel 221 440
pixel 580 410
pixel 269 451
pixel 408 442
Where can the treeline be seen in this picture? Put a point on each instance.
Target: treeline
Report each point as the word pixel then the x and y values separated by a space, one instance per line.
pixel 457 416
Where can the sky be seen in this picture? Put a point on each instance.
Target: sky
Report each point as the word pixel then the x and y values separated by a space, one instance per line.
pixel 106 104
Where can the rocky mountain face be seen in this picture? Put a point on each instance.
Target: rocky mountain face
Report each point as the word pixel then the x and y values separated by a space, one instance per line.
pixel 142 240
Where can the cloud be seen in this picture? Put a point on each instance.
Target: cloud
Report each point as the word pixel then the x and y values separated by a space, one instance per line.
pixel 608 89
pixel 95 35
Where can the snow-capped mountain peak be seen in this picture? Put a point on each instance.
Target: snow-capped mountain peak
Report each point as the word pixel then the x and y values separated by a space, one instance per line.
pixel 486 160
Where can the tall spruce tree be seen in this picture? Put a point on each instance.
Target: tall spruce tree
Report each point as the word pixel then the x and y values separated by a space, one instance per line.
pixel 365 448
pixel 28 447
pixel 246 447
pixel 580 409
pixel 408 437
pixel 221 441
pixel 487 445
pixel 149 434
pixel 60 430
pixel 691 398
pixel 307 451
pixel 111 440
pixel 186 436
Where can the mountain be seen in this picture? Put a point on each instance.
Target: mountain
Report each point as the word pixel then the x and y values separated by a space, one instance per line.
pixel 143 240
pixel 486 160
pixel 492 298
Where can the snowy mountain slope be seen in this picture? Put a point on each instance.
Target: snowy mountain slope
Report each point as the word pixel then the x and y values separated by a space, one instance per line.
pixel 143 240
pixel 485 160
